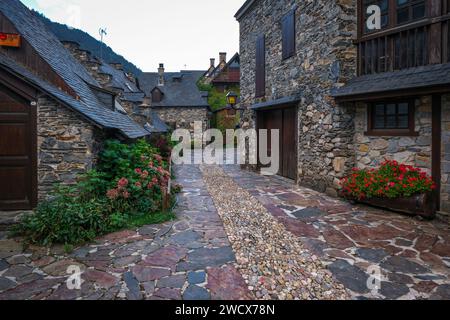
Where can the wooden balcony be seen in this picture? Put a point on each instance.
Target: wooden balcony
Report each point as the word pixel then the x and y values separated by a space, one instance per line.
pixel 419 43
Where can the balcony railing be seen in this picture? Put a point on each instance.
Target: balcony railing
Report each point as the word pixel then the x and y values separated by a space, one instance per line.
pixel 417 44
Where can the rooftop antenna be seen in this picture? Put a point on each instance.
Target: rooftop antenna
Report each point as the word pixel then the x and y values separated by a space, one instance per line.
pixel 102 33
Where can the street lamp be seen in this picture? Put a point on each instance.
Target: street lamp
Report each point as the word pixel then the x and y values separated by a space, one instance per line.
pixel 232 101
pixel 232 98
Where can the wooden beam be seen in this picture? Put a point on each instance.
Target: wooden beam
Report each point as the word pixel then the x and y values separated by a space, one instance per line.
pixel 436 146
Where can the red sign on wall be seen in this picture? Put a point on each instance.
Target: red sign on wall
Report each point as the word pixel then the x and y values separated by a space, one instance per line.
pixel 9 40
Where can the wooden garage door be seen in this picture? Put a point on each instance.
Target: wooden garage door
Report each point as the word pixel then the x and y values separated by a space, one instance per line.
pixel 17 152
pixel 284 120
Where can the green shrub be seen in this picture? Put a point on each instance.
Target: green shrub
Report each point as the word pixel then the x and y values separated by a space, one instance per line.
pixel 69 219
pixel 127 187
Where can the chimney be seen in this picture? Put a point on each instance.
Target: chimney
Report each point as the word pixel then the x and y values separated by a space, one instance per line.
pixel 161 74
pixel 223 57
pixel 213 63
pixel 116 65
pixel 72 46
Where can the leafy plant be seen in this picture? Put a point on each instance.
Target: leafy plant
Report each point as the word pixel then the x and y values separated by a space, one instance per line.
pixel 128 185
pixel 392 180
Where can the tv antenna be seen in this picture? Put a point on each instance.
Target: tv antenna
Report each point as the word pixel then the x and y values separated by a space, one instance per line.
pixel 102 32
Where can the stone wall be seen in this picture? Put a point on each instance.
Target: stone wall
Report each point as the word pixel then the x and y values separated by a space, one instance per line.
pixel 67 145
pixel 183 118
pixel 325 58
pixel 445 187
pixel 371 151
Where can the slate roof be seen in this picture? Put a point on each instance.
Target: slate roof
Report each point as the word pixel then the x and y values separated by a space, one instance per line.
pixel 99 115
pixel 119 79
pixel 156 125
pixel 133 96
pixel 184 93
pixel 244 8
pixel 64 64
pixel 413 78
pixel 276 102
pixel 217 71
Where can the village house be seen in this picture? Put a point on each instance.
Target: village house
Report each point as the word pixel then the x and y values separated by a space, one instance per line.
pixel 129 98
pixel 226 75
pixel 344 96
pixel 176 98
pixel 54 116
pixel 224 78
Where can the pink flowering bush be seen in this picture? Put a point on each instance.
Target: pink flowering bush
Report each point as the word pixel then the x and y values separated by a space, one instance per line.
pixel 126 189
pixel 139 175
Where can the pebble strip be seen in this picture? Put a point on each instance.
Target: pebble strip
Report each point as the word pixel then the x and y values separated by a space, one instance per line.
pixel 272 261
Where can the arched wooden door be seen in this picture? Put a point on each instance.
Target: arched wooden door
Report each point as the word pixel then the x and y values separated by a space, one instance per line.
pixel 18 187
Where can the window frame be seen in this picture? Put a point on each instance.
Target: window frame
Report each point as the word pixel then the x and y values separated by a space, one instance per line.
pixel 288 34
pixel 392 18
pixel 394 132
pixel 409 6
pixel 157 95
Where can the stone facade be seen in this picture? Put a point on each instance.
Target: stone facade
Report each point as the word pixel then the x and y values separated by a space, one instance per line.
pixel 331 136
pixel 183 117
pixel 371 151
pixel 67 145
pixel 325 58
pixel 445 170
pixel 416 151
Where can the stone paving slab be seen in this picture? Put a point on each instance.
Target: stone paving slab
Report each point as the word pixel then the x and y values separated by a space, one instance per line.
pixel 183 259
pixel 413 254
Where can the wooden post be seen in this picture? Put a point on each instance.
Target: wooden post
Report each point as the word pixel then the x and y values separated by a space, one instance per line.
pixel 167 191
pixel 436 146
pixel 435 34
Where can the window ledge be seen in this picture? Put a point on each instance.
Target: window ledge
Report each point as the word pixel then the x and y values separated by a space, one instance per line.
pixel 392 133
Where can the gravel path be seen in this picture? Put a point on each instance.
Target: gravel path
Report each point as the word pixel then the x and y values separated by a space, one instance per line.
pixel 273 264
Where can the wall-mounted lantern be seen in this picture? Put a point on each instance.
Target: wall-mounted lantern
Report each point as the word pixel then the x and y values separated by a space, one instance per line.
pixel 232 98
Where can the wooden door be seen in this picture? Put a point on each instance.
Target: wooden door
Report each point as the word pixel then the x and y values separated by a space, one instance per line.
pixel 289 149
pixel 272 120
pixel 283 119
pixel 18 189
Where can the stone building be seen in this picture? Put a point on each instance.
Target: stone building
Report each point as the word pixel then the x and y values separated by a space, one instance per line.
pixel 54 116
pixel 129 99
pixel 226 75
pixel 344 96
pixel 175 97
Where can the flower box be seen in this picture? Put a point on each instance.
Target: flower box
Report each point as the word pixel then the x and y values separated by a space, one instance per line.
pixel 419 205
pixel 394 186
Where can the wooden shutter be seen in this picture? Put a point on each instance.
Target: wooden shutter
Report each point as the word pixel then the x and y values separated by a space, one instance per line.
pixel 288 28
pixel 260 73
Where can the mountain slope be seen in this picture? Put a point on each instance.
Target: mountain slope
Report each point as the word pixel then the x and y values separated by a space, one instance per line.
pixel 87 42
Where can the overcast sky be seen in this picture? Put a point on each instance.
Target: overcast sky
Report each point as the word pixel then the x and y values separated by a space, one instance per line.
pixel 179 33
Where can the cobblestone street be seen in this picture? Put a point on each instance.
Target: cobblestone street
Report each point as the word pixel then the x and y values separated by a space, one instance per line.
pixel 239 235
pixel 414 255
pixel 189 259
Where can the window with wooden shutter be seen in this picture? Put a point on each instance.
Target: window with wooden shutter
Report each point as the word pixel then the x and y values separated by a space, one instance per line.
pixel 260 73
pixel 288 30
